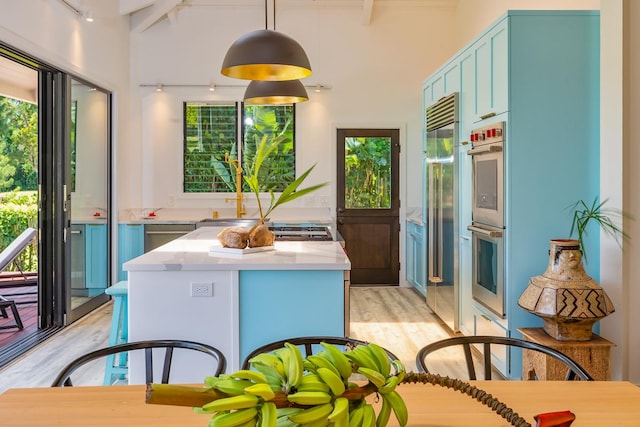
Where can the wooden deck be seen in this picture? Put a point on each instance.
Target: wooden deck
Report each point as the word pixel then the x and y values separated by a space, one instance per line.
pixel 25 294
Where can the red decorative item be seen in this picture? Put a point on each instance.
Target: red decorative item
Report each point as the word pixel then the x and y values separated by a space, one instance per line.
pixel 96 214
pixel 555 419
pixel 152 214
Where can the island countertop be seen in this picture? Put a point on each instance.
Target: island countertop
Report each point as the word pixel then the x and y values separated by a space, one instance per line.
pixel 192 253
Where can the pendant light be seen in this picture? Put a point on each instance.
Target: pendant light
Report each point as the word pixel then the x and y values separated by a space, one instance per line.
pixel 266 55
pixel 275 93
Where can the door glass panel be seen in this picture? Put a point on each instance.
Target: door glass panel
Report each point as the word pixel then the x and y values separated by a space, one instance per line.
pixel 487 265
pixel 89 193
pixel 367 171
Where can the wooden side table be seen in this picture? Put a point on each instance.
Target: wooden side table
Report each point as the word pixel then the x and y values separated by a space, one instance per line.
pixel 593 355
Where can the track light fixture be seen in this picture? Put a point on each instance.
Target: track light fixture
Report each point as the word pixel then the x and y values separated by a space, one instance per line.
pixel 159 87
pixel 212 87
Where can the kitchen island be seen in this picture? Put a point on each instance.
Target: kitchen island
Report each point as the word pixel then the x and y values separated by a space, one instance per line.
pixel 235 302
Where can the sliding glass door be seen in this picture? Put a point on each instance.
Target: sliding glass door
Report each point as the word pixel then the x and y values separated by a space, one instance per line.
pixel 71 165
pixel 87 192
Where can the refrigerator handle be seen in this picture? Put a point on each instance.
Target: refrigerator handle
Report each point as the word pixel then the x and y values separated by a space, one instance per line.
pixel 434 223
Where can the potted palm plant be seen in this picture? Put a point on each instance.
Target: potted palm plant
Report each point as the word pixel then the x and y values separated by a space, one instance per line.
pixel 259 234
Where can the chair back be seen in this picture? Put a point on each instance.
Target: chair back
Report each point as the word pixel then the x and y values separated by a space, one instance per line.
pixel 574 370
pixel 15 248
pixel 64 377
pixel 309 345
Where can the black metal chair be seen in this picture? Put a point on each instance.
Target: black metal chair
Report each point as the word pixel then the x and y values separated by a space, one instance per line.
pixel 64 377
pixel 308 344
pixel 574 370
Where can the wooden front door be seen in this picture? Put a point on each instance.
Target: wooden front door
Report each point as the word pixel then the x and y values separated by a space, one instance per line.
pixel 368 203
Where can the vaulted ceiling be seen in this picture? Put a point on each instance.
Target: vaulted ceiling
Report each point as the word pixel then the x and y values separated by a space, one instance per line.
pixel 147 12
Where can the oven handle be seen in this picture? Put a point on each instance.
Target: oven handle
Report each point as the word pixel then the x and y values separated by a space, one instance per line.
pixel 484 231
pixel 485 149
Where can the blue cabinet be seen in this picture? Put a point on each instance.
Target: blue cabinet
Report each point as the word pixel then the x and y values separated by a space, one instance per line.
pixel 295 302
pixel 96 257
pixel 88 259
pixel 538 72
pixel 492 74
pixel 130 245
pixel 415 257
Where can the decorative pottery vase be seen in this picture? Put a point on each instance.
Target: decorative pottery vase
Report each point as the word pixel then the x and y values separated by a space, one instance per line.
pixel 564 296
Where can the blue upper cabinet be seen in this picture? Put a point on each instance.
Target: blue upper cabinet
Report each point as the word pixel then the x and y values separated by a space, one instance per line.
pixel 492 72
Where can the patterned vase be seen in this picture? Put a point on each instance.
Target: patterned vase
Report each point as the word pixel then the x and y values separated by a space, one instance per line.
pixel 564 296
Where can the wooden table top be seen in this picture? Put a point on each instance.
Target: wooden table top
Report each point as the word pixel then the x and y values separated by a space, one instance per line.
pixel 594 403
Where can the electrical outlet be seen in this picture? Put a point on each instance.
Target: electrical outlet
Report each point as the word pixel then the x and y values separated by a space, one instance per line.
pixel 201 289
pixel 171 201
pixel 324 200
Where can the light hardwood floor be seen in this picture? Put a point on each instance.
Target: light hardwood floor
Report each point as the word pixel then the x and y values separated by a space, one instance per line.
pixel 396 318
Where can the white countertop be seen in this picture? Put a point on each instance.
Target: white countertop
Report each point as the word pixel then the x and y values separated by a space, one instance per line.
pixel 191 253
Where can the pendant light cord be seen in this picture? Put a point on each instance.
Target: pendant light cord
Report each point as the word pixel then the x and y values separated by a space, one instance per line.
pixel 266 17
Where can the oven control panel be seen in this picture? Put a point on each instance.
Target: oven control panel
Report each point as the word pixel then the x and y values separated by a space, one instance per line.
pixel 487 135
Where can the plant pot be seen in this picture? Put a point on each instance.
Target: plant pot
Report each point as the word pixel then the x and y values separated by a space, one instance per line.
pixel 564 296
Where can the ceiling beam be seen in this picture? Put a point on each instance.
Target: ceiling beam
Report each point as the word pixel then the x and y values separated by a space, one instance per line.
pixel 130 6
pixel 153 14
pixel 367 11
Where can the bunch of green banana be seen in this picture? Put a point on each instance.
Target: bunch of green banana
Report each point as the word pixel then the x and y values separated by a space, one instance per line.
pixel 316 390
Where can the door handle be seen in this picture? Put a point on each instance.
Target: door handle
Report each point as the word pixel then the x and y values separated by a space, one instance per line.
pixel 485 149
pixel 484 232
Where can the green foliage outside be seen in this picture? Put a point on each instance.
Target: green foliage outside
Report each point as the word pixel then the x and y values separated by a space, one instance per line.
pixel 367 173
pixel 211 132
pixel 18 211
pixel 18 145
pixel 18 175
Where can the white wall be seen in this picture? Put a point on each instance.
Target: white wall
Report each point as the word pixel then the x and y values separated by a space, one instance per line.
pixel 375 72
pixel 620 104
pixel 98 51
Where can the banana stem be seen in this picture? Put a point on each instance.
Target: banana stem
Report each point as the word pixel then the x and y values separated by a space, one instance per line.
pixel 181 395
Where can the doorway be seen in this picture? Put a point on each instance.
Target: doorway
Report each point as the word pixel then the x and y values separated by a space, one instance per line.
pixel 58 184
pixel 368 203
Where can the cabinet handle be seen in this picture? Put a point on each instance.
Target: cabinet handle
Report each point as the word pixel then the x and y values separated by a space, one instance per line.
pixel 484 232
pixel 485 317
pixel 166 232
pixel 464 142
pixel 485 149
pixel 76 232
pixel 486 116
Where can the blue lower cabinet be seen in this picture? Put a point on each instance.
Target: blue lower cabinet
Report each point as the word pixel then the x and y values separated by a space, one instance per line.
pixel 276 305
pixel 415 257
pixel 130 245
pixel 96 258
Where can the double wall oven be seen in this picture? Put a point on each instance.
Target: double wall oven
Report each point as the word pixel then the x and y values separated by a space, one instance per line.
pixel 488 216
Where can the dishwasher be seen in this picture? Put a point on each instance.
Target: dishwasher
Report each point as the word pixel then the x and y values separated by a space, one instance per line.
pixel 156 235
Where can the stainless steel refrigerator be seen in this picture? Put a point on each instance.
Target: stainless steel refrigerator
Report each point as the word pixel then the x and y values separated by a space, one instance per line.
pixel 441 208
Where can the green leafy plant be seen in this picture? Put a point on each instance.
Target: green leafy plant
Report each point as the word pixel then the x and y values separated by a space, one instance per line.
pixel 584 214
pixel 265 148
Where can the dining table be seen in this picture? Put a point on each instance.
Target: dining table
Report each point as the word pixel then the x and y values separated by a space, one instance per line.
pixel 595 403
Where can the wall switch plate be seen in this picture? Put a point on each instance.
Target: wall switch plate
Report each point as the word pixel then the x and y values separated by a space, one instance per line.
pixel 201 289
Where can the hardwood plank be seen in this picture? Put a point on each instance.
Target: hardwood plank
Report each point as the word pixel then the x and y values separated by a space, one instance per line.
pixel 394 317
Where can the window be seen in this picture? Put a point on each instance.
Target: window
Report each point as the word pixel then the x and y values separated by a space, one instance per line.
pixel 213 141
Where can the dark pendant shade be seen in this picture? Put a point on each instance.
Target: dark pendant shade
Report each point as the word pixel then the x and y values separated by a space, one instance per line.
pixel 283 92
pixel 266 55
